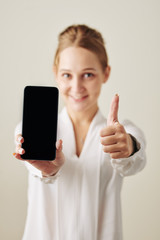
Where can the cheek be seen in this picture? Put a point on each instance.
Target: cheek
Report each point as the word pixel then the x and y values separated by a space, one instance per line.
pixel 63 87
pixel 97 93
pixel 95 88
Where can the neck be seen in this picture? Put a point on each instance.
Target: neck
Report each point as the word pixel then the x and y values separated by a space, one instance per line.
pixel 82 117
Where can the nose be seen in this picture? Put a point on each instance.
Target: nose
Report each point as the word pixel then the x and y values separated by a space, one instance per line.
pixel 77 85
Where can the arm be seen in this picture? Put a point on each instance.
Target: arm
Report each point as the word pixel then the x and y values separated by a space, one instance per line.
pixel 137 160
pixel 124 142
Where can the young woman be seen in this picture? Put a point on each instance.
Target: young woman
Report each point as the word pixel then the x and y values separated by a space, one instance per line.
pixel 77 196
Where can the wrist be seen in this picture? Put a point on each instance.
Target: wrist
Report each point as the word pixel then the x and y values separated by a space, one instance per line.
pixel 50 174
pixel 133 144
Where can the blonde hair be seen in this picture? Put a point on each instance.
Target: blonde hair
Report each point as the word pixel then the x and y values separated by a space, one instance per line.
pixel 85 37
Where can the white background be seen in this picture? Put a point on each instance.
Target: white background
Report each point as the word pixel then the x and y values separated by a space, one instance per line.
pixel 28 40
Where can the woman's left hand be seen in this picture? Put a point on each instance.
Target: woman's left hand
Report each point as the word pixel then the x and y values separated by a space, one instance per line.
pixel 114 138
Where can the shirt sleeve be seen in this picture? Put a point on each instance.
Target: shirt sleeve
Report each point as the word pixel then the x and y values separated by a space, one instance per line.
pixel 137 161
pixel 34 171
pixel 38 174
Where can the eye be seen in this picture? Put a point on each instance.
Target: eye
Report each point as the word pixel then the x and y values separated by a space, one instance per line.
pixel 66 75
pixel 88 75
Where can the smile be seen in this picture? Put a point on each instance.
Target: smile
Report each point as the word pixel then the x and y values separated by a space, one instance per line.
pixel 79 99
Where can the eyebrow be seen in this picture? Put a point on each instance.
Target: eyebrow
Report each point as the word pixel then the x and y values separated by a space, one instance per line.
pixel 85 69
pixel 89 69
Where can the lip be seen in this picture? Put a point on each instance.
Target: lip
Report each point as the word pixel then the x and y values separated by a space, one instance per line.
pixel 79 99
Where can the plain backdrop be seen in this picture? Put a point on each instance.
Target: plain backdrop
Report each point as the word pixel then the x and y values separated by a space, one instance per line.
pixel 28 40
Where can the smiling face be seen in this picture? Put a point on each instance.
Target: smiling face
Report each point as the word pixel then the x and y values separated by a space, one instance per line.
pixel 80 76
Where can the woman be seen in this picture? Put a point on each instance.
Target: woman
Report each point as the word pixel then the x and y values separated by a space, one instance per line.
pixel 77 196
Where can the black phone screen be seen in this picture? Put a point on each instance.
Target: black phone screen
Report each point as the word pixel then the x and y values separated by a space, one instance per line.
pixel 39 125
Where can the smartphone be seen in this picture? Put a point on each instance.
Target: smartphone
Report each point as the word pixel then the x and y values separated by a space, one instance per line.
pixel 39 122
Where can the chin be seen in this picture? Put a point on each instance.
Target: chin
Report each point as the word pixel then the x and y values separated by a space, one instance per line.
pixel 79 108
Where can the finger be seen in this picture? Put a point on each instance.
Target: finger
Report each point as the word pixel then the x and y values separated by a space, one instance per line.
pixel 111 148
pixel 116 155
pixel 18 146
pixel 17 155
pixel 59 145
pixel 107 131
pixel 19 138
pixel 113 112
pixel 19 149
pixel 109 140
pixel 59 160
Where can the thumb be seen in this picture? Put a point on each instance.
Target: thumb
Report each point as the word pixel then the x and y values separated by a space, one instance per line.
pixel 59 145
pixel 60 158
pixel 113 112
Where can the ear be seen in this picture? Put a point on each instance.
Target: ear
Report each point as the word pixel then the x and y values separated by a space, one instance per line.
pixel 107 73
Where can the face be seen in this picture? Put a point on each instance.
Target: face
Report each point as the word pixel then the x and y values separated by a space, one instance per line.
pixel 80 76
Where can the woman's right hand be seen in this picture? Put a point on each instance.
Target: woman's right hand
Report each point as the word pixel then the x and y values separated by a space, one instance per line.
pixel 48 168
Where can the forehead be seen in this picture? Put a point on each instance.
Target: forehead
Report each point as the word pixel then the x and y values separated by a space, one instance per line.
pixel 77 58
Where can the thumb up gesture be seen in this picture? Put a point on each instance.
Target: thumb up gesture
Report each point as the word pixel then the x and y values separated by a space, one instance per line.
pixel 114 138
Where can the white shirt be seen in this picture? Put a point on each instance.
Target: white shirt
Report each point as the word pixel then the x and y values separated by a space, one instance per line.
pixel 82 202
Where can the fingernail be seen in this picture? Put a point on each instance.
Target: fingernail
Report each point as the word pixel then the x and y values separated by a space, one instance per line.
pixel 20 151
pixel 19 139
pixel 14 154
pixel 117 95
